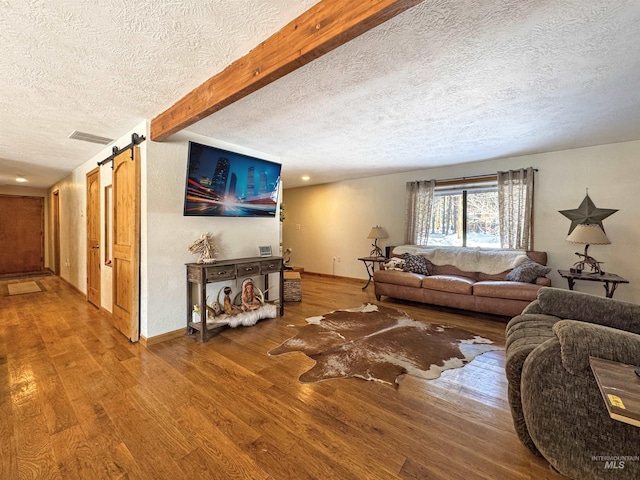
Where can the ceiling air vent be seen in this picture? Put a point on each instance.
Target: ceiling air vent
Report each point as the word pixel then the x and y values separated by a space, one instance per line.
pixel 87 137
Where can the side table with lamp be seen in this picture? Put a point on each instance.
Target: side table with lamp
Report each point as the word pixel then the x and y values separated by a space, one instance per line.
pixel 375 256
pixel 587 229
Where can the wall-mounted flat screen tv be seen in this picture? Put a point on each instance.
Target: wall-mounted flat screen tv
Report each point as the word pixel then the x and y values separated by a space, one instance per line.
pixel 227 184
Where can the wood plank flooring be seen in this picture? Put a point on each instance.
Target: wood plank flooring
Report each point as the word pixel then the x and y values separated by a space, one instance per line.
pixel 78 401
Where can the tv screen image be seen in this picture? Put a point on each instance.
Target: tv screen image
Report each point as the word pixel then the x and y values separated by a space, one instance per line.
pixel 227 184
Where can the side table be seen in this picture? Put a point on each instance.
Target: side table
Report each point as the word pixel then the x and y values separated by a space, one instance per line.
pixel 370 265
pixel 610 280
pixel 620 389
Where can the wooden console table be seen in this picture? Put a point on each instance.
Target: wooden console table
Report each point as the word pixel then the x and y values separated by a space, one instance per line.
pixel 610 280
pixel 201 274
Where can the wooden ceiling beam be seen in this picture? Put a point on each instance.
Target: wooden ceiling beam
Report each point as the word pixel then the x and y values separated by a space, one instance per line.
pixel 324 27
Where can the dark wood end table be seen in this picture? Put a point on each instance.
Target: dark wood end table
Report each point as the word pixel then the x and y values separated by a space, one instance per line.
pixel 620 389
pixel 370 265
pixel 610 280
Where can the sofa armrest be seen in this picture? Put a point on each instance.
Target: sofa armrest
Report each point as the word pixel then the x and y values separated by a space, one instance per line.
pixel 544 281
pixel 580 340
pixel 533 307
pixel 585 307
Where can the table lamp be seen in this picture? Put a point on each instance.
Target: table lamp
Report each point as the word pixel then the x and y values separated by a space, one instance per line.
pixel 588 234
pixel 376 233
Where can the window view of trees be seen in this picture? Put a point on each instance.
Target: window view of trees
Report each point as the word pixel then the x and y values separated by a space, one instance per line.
pixel 483 225
pixel 446 220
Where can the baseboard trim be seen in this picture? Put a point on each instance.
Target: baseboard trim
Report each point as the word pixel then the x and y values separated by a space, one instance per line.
pixel 147 342
pixel 326 275
pixel 73 287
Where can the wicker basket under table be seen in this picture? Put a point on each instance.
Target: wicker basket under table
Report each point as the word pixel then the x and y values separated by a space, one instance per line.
pixel 292 287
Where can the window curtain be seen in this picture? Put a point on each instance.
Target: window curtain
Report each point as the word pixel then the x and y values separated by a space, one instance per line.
pixel 515 206
pixel 419 204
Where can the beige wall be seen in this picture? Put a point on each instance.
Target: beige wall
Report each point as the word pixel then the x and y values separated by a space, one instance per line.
pixel 167 234
pixel 334 219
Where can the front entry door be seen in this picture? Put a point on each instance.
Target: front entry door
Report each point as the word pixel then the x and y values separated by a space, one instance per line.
pixel 93 237
pixel 21 234
pixel 126 243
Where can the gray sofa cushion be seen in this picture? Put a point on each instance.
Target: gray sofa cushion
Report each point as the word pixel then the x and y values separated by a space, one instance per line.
pixel 580 340
pixel 572 305
pixel 524 333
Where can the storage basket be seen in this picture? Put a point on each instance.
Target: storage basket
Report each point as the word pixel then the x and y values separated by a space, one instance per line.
pixel 292 287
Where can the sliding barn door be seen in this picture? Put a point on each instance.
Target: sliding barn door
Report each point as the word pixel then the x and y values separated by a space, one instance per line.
pixel 126 243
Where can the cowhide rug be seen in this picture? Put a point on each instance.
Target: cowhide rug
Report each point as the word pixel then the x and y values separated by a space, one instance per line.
pixel 379 343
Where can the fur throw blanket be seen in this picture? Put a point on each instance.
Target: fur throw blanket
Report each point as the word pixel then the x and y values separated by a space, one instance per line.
pixel 490 262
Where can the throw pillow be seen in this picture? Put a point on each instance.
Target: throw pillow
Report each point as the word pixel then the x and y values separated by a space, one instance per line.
pixel 416 264
pixel 395 263
pixel 527 272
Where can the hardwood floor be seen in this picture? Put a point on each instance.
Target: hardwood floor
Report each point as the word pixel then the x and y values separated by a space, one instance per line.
pixel 79 401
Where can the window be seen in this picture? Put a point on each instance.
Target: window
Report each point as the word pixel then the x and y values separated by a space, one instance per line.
pixel 486 211
pixel 465 215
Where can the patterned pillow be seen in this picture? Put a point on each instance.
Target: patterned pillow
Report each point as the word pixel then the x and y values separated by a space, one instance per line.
pixel 416 264
pixel 527 272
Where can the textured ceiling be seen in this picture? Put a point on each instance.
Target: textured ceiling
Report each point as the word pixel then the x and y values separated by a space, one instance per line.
pixel 103 66
pixel 445 82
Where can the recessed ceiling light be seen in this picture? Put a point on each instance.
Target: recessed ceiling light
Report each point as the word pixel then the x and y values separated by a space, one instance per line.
pixel 20 179
pixel 305 178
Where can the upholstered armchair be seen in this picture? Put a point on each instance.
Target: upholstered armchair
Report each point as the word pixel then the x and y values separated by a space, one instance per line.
pixel 557 408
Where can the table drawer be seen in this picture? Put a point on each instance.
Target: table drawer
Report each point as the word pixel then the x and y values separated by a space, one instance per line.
pixel 194 275
pixel 271 266
pixel 220 272
pixel 246 269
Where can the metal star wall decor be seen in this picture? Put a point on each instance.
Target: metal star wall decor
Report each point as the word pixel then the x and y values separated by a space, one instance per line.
pixel 587 213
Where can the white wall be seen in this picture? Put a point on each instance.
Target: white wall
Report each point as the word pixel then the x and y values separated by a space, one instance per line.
pixel 335 219
pixel 167 234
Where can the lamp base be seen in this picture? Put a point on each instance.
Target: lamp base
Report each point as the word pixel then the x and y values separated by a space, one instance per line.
pixel 376 252
pixel 587 261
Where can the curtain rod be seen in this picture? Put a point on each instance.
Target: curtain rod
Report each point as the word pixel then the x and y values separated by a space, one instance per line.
pixel 135 140
pixel 472 177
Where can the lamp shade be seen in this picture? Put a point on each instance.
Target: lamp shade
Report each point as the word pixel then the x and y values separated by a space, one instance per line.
pixel 590 234
pixel 377 232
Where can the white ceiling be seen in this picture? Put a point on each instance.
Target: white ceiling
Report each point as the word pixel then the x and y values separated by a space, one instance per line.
pixel 449 81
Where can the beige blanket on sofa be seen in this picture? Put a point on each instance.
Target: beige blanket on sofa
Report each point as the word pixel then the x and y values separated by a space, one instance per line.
pixel 490 262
